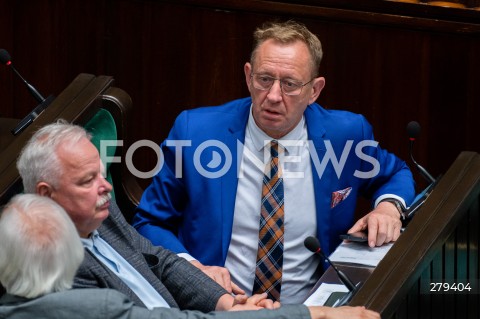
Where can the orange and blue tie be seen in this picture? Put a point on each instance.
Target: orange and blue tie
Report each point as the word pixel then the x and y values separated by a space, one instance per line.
pixel 268 273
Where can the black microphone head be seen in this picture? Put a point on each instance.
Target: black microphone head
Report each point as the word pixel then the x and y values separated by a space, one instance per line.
pixel 5 56
pixel 312 244
pixel 413 129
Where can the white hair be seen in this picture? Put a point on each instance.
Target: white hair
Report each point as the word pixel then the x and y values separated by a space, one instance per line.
pixel 40 249
pixel 39 162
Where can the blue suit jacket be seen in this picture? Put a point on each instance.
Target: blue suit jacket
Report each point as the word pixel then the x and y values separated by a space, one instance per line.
pixel 194 214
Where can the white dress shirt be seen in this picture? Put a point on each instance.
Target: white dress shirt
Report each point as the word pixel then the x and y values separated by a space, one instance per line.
pixel 299 264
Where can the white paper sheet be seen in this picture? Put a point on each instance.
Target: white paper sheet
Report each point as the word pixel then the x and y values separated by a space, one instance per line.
pixel 359 253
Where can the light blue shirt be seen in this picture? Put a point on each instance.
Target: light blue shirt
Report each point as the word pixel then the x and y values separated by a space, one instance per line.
pixel 126 272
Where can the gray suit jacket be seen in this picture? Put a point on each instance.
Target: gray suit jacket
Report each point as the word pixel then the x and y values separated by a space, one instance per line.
pixel 181 284
pixel 108 303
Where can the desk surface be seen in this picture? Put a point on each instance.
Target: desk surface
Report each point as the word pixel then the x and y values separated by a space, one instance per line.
pixel 356 273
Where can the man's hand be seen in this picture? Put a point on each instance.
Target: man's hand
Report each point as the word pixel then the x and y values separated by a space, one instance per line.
pixel 255 302
pixel 383 224
pixel 221 275
pixel 342 313
pixel 242 302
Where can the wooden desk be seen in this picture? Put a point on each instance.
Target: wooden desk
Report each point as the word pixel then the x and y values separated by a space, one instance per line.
pixel 440 244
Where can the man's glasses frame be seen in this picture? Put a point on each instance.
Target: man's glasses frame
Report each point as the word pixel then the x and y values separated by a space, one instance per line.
pixel 265 82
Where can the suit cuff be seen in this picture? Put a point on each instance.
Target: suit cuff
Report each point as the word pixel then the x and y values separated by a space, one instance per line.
pixel 393 196
pixel 186 256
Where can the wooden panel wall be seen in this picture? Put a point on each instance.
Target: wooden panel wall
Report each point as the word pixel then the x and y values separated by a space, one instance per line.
pixel 393 62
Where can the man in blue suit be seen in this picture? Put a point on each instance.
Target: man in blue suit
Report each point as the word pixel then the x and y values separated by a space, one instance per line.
pixel 204 202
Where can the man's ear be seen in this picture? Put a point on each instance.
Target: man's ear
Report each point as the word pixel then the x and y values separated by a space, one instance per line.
pixel 247 69
pixel 44 189
pixel 317 87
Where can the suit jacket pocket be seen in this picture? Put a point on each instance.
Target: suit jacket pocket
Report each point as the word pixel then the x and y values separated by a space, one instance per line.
pixel 152 260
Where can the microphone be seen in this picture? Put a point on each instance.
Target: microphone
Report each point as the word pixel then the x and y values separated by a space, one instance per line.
pixel 7 60
pixel 27 120
pixel 413 130
pixel 313 245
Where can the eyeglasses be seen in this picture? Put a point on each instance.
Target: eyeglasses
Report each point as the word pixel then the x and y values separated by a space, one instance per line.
pixel 264 82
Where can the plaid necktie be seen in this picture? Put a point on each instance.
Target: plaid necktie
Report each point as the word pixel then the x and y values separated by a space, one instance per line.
pixel 268 273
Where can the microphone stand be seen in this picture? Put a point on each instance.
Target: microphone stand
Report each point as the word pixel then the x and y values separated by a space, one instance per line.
pixel 352 289
pixel 420 168
pixel 312 244
pixel 345 299
pixel 27 120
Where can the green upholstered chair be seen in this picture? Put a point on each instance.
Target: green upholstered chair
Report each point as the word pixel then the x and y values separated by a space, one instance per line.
pixel 102 127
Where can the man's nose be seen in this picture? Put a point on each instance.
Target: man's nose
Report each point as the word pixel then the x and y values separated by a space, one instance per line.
pixel 275 92
pixel 105 186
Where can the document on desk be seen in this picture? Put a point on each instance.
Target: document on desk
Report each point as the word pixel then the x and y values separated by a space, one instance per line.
pixel 323 293
pixel 359 253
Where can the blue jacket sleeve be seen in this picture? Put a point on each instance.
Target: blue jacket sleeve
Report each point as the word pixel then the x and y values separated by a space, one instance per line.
pixel 160 210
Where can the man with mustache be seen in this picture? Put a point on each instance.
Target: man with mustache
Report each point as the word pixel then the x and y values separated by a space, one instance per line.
pixel 61 163
pixel 40 251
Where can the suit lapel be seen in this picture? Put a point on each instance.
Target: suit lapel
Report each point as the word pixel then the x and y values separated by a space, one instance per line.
pixel 110 279
pixel 113 231
pixel 234 139
pixel 322 179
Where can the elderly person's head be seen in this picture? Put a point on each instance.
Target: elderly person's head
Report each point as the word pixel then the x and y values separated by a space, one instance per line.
pixel 61 162
pixel 40 250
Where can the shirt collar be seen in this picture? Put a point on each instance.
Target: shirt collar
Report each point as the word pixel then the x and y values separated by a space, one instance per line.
pixel 88 242
pixel 260 138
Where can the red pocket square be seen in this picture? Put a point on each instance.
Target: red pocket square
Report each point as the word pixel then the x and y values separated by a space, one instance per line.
pixel 339 196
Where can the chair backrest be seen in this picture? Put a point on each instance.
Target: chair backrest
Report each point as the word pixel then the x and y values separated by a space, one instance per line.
pixel 102 128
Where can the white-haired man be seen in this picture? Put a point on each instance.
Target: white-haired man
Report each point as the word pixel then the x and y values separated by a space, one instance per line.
pixel 40 253
pixel 60 162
